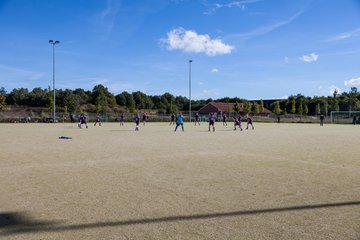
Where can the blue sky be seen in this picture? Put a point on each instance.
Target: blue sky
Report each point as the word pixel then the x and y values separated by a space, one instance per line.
pixel 253 49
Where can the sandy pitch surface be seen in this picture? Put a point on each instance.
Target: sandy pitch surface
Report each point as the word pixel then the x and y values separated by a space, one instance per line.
pixel 279 181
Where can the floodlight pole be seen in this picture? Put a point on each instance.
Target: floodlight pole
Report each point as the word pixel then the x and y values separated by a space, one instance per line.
pixel 190 61
pixel 54 43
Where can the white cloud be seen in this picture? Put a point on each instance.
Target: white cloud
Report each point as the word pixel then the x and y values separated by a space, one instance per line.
pixel 329 90
pixel 353 82
pixel 214 70
pixel 266 29
pixel 333 88
pixel 210 92
pixel 344 35
pixel 234 4
pixel 200 83
pixel 218 6
pixel 17 73
pixel 313 57
pixel 108 15
pixel 191 42
pixel 284 97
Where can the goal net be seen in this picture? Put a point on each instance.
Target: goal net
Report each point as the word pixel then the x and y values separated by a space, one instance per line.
pixel 345 117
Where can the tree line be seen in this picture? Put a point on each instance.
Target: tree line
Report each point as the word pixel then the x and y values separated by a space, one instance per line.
pixel 301 105
pixel 100 100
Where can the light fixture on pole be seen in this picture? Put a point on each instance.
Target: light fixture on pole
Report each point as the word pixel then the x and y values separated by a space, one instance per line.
pixel 54 43
pixel 190 61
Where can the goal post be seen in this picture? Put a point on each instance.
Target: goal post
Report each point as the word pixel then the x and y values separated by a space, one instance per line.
pixel 345 117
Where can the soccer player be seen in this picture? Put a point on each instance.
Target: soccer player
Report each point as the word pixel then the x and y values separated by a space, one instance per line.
pixel 249 122
pixel 197 119
pixel 144 118
pixel 121 119
pixel 237 122
pixel 224 119
pixel 211 121
pixel 98 120
pixel 82 120
pixel 72 119
pixel 137 122
pixel 179 121
pixel 172 121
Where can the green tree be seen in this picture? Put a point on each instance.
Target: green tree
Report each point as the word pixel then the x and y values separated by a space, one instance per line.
pixel 140 100
pixel 18 96
pixel 50 104
pixel 300 109
pixel 100 104
pixel 70 100
pixel 180 102
pixel 326 107
pixel 318 108
pixel 171 108
pixel 293 106
pixel 256 108
pixel 2 102
pixel 277 109
pixel 102 98
pixel 356 104
pixel 84 97
pixel 131 104
pixel 261 108
pixel 335 101
pixel 236 107
pixel 246 107
pixel 306 109
pixel 121 99
pixel 352 93
pixel 66 111
pixel 37 97
pixel 2 98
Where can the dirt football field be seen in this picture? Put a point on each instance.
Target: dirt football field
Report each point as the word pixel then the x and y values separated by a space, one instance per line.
pixel 279 181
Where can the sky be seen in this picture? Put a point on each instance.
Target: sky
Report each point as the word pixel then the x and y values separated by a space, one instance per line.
pixel 252 49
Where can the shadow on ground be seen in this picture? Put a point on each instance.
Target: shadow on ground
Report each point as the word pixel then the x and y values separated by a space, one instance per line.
pixel 15 222
pixel 12 223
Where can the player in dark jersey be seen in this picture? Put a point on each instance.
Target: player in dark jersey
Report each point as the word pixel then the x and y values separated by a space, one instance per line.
pixel 322 120
pixel 82 120
pixel 249 122
pixel 211 121
pixel 122 119
pixel 98 120
pixel 144 118
pixel 137 122
pixel 197 119
pixel 72 119
pixel 224 119
pixel 237 122
pixel 172 119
